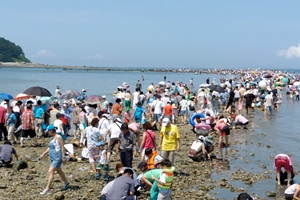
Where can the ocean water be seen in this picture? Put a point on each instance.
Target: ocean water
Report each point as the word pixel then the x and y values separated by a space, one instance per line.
pixel 15 81
pixel 266 137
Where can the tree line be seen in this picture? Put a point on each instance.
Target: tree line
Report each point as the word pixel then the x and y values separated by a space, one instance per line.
pixel 10 52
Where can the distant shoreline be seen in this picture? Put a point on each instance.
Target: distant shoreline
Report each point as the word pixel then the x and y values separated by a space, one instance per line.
pixel 174 70
pixel 65 67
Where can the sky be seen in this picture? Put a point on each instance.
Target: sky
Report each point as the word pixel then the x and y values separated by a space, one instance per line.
pixel 156 34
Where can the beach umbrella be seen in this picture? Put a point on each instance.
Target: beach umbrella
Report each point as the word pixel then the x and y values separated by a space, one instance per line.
pixel 258 79
pixel 38 91
pixel 296 83
pixel 70 94
pixel 93 99
pixel 204 85
pixel 5 96
pixel 22 96
pixel 268 76
pixel 46 99
pixel 216 88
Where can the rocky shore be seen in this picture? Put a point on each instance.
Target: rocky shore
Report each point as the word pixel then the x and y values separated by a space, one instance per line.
pixel 193 181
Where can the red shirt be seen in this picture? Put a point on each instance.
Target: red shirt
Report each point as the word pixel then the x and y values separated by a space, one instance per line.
pixel 168 110
pixel 27 120
pixel 2 114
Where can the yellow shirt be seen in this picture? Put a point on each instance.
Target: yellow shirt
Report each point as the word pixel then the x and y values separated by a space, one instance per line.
pixel 169 137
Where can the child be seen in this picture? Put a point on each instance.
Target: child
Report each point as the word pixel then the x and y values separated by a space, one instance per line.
pixel 127 116
pixel 165 181
pixel 102 162
pixel 58 124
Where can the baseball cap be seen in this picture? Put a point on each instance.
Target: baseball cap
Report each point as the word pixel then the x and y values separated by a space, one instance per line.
pixel 165 121
pixel 103 97
pixel 201 137
pixel 51 127
pixel 100 144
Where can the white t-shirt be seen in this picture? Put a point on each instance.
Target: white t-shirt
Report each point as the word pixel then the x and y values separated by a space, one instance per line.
pixel 197 145
pixel 184 104
pixel 268 100
pixel 103 126
pixel 157 106
pixel 58 123
pixel 291 189
pixel 114 129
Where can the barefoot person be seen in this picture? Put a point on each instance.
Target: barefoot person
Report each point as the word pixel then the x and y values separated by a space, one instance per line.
pixel 56 152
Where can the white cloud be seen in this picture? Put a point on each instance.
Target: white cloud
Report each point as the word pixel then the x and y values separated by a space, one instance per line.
pixel 97 56
pixel 44 53
pixel 291 52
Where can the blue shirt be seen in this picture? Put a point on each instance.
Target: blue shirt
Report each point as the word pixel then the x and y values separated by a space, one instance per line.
pixel 38 112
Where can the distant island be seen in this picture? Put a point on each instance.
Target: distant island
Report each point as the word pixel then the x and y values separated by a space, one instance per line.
pixel 10 52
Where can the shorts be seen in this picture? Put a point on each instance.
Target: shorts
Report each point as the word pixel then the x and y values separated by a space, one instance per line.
pixel 184 112
pixel 92 152
pixel 76 126
pixel 157 117
pixel 226 129
pixel 282 162
pixel 127 105
pixel 104 168
pixel 112 143
pixel 269 108
pixel 29 132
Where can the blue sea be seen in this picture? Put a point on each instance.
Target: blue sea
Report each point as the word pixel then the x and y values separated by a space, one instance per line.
pixel 265 138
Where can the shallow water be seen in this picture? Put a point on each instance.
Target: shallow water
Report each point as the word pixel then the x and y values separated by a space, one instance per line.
pixel 266 138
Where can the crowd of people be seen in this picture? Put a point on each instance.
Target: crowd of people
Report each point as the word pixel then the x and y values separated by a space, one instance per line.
pixel 127 125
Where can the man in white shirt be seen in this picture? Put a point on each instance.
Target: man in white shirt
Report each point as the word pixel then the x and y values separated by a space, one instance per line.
pixel 269 102
pixel 115 130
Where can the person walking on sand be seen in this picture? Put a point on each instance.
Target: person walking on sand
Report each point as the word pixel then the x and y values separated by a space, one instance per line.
pixel 169 140
pixel 39 115
pixel 93 136
pixel 126 145
pixel 56 152
pixel 27 119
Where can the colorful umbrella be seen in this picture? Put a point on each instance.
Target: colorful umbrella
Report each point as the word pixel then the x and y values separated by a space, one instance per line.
pixel 268 76
pixel 70 94
pixel 5 96
pixel 46 99
pixel 22 96
pixel 296 83
pixel 93 99
pixel 38 91
pixel 216 88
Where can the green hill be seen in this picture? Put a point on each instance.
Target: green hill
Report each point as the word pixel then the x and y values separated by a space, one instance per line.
pixel 9 52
